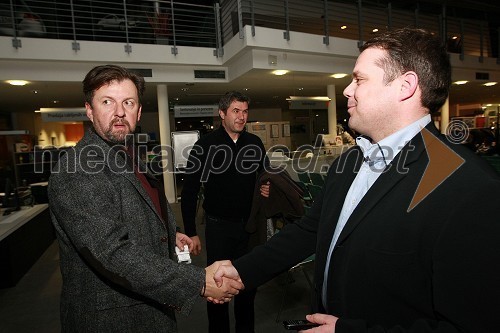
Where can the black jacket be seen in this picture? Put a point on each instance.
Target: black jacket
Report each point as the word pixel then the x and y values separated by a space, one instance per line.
pixel 228 172
pixel 432 267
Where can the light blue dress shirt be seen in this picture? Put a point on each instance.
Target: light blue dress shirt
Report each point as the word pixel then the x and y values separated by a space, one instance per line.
pixel 377 157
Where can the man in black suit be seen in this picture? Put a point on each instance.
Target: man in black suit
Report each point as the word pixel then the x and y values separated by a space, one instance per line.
pixel 406 229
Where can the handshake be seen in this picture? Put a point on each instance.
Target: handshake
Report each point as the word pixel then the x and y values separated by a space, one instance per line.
pixel 222 282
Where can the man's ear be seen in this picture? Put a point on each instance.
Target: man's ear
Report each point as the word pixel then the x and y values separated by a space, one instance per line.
pixel 409 85
pixel 221 114
pixel 90 114
pixel 139 112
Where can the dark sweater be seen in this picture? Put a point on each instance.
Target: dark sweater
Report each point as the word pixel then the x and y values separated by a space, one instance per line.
pixel 228 172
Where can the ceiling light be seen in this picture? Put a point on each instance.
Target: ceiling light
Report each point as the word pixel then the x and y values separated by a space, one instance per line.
pixel 279 72
pixel 375 30
pixel 17 82
pixel 308 98
pixel 343 27
pixel 460 82
pixel 338 75
pixel 489 84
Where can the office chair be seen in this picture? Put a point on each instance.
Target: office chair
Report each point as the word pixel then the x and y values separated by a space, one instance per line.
pixel 289 279
pixel 317 179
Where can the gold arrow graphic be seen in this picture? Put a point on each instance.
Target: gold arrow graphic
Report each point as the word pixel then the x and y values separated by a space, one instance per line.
pixel 442 163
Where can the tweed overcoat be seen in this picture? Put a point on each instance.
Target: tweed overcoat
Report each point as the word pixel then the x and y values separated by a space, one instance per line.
pixel 116 250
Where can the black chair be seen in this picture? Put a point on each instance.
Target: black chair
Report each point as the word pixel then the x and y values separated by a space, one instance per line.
pixel 304 177
pixel 317 179
pixel 314 190
pixel 289 279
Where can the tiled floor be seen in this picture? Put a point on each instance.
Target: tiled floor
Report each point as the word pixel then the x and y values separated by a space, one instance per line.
pixel 33 304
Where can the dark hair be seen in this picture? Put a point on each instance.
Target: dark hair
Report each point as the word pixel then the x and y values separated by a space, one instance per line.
pixel 105 74
pixel 419 51
pixel 230 97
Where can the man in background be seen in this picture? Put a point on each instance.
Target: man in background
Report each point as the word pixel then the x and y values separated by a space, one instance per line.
pixel 226 162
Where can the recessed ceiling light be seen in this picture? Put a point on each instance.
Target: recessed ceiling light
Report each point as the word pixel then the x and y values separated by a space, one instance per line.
pixel 280 72
pixel 339 75
pixel 460 82
pixel 489 84
pixel 17 82
pixel 343 27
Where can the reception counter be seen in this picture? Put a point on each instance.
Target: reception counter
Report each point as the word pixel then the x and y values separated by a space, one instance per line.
pixel 24 237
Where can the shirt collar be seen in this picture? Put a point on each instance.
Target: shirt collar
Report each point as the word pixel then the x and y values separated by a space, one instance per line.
pixel 387 148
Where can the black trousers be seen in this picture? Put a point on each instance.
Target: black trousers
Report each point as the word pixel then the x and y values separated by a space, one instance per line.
pixel 228 240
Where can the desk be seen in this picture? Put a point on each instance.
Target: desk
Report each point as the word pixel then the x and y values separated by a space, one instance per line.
pixel 24 237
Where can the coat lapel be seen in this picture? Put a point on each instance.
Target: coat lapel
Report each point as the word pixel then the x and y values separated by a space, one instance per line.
pixel 390 178
pixel 115 160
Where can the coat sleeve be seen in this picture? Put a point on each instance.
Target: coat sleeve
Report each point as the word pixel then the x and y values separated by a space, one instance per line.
pixel 87 211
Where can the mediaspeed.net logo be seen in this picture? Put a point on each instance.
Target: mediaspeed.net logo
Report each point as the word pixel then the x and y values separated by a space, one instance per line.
pixel 443 161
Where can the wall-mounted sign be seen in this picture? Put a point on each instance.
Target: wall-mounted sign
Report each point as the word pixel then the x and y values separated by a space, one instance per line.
pixel 307 104
pixel 63 114
pixel 184 111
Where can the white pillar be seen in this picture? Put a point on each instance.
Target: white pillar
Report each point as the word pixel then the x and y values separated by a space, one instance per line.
pixel 332 110
pixel 445 116
pixel 164 122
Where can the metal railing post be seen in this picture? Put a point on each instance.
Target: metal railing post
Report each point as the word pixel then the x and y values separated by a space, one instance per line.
pixel 360 24
pixel 252 17
pixel 219 51
pixel 240 20
pixel 389 16
pixel 15 41
pixel 128 47
pixel 326 38
pixel 481 43
pixel 174 48
pixel 286 33
pixel 75 46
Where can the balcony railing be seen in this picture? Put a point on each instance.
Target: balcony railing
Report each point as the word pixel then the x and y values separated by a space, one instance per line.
pixel 178 23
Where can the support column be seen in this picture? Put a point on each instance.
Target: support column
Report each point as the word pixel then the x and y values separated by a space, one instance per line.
pixel 445 116
pixel 332 110
pixel 164 122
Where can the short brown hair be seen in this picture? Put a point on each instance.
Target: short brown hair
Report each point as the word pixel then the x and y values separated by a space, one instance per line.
pixel 420 51
pixel 105 74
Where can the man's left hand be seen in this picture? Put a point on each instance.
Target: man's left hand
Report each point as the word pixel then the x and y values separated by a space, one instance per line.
pixel 181 240
pixel 327 323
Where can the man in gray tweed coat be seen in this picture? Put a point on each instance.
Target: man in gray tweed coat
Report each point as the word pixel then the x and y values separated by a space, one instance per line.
pixel 116 231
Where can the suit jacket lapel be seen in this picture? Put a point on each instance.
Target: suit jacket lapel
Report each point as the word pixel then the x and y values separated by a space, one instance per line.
pixel 393 174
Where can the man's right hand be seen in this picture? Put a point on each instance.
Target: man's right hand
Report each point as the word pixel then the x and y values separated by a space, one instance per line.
pixel 196 245
pixel 218 289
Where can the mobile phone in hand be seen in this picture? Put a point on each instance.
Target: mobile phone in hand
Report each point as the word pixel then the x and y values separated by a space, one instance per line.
pixel 298 325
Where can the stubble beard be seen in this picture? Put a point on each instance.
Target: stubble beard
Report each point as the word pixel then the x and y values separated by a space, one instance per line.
pixel 118 136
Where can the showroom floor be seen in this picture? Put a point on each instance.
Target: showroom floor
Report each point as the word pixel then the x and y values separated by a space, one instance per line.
pixel 33 304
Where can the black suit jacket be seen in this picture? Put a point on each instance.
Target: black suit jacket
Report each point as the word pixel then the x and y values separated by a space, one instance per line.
pixel 395 267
